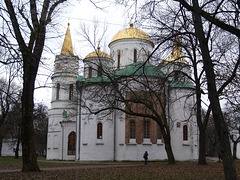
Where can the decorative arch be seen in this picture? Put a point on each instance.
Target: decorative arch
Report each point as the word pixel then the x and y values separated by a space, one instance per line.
pixel 72 143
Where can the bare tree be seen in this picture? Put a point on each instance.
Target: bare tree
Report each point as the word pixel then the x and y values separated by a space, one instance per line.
pixel 9 97
pixel 227 11
pixel 26 23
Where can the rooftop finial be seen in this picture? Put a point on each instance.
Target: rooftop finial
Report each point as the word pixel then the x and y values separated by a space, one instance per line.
pixel 131 25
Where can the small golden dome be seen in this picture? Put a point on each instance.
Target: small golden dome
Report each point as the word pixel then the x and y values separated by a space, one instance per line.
pixel 131 33
pixel 176 55
pixel 98 53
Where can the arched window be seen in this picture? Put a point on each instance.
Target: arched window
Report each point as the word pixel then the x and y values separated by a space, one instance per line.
pixel 185 133
pixel 58 91
pixel 71 92
pixel 71 143
pixel 90 72
pixel 55 141
pixel 99 71
pixel 118 60
pixel 85 72
pixel 135 55
pixel 159 133
pixel 146 129
pixel 132 129
pixel 99 131
pixel 177 75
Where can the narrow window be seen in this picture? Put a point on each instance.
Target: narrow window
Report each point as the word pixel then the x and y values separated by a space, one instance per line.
pixel 135 55
pixel 146 129
pixel 177 76
pixel 99 131
pixel 159 133
pixel 90 72
pixel 71 92
pixel 132 129
pixel 85 72
pixel 185 133
pixel 118 62
pixel 58 91
pixel 99 71
pixel 71 143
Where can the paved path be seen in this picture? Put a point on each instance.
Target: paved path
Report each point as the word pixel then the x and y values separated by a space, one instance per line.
pixel 75 167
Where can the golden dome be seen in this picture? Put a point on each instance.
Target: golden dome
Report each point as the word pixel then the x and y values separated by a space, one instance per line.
pixel 98 53
pixel 131 33
pixel 176 55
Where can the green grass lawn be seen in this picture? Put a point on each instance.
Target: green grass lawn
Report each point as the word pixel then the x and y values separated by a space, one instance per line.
pixel 154 170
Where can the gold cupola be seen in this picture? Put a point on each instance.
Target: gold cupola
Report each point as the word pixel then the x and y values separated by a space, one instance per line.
pixel 130 33
pixel 176 55
pixel 67 43
pixel 98 54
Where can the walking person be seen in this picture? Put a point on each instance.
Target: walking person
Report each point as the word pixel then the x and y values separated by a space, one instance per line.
pixel 219 157
pixel 145 156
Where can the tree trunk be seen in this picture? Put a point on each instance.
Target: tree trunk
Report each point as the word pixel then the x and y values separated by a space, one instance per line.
pixel 168 148
pixel 202 147
pixel 234 150
pixel 1 138
pixel 220 125
pixel 17 149
pixel 27 131
pixel 202 128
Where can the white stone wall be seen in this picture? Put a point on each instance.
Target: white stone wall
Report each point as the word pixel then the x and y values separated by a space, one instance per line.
pixel 126 47
pixel 96 150
pixel 106 64
pixel 9 146
pixel 182 113
pixel 91 147
pixel 65 73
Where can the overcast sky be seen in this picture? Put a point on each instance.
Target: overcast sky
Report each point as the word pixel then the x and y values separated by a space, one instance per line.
pixel 114 17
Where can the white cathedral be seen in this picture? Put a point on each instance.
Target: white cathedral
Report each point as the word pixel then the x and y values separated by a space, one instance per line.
pixel 76 133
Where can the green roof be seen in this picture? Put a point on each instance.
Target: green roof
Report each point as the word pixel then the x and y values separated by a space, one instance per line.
pixel 140 68
pixel 181 84
pixel 80 78
pixel 136 69
pixel 97 79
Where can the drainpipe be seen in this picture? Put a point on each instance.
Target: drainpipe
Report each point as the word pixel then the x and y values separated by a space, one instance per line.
pixel 79 120
pixel 114 133
pixel 62 138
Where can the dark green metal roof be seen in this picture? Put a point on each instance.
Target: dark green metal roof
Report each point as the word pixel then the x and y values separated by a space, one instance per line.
pixel 135 69
pixel 93 80
pixel 181 84
pixel 139 69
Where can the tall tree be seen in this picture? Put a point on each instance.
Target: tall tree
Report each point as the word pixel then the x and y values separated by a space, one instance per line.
pixel 198 13
pixel 26 22
pixel 170 23
pixel 29 20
